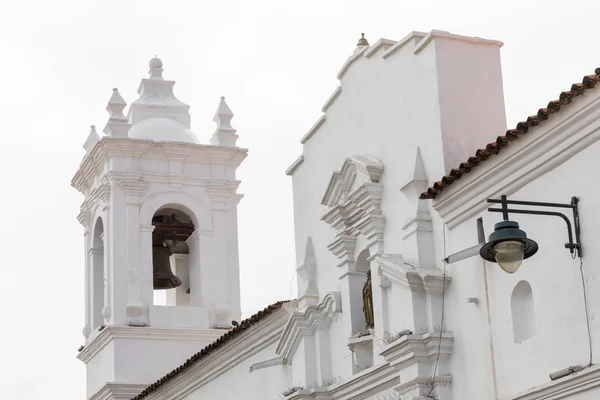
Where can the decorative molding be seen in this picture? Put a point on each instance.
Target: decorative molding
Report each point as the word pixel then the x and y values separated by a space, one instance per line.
pixel 331 99
pixel 419 385
pixel 343 247
pixel 220 195
pixel 106 312
pixel 292 168
pixel 366 383
pixel 381 43
pixel 358 168
pixel 85 218
pixel 394 268
pixel 132 187
pixel 413 349
pixel 118 391
pixel 306 322
pixel 415 35
pixel 93 164
pixel 362 385
pixel 447 35
pixel 86 331
pixel 566 387
pixel 266 364
pixel 113 332
pixel 556 141
pixel 358 53
pixel 313 130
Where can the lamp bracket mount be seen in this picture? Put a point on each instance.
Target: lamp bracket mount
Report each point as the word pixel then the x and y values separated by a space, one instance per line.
pixel 574 246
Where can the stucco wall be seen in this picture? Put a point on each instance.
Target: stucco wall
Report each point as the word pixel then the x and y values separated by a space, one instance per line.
pixel 238 383
pixel 389 108
pixel 560 338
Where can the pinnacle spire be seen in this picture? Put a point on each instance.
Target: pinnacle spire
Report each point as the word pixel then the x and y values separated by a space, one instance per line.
pixel 156 68
pixel 118 123
pixel 362 41
pixel 91 140
pixel 225 134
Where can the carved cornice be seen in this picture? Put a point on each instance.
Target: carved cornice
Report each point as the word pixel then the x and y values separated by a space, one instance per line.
pixel 112 391
pixel 108 148
pixel 359 169
pixel 343 248
pixel 418 384
pixel 133 188
pixel 413 349
pixel 112 332
pixel 85 218
pixel 305 323
pixel 394 268
pixel 354 196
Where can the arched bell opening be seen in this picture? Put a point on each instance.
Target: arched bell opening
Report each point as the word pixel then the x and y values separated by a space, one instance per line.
pixel 170 252
pixel 97 275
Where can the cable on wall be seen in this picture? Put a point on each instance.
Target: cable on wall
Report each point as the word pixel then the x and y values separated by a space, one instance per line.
pixel 587 315
pixel 441 330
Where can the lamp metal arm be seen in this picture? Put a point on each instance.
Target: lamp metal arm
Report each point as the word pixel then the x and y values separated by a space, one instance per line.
pixel 572 246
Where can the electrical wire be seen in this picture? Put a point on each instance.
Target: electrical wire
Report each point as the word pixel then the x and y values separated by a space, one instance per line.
pixel 437 360
pixel 587 315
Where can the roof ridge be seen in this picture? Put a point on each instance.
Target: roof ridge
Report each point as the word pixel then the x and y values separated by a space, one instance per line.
pixel 227 336
pixel 523 127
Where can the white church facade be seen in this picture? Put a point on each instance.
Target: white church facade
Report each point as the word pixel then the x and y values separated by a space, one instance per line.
pixel 401 295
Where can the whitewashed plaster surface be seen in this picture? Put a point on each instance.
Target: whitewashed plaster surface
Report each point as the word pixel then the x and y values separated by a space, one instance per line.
pixel 239 383
pixel 560 335
pixel 398 103
pixel 150 161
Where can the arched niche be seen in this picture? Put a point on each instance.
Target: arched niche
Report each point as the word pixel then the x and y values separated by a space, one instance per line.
pixel 523 312
pixel 362 261
pixel 98 274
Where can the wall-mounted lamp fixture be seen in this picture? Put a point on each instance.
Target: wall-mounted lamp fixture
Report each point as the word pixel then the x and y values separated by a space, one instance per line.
pixel 509 245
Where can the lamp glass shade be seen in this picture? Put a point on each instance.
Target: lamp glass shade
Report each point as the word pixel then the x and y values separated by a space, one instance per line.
pixel 509 255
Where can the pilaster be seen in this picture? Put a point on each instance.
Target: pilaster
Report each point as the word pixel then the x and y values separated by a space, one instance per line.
pixel 417 358
pixel 132 191
pixel 220 197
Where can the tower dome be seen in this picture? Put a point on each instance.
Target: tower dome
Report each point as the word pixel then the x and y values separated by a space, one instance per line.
pixel 162 129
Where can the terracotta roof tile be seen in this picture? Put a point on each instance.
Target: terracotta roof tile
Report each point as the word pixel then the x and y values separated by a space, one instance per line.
pixel 230 334
pixel 522 128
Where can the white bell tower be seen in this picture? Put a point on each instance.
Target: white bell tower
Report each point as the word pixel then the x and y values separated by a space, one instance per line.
pixel 160 213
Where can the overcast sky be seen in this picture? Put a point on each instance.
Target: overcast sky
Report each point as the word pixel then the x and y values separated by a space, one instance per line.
pixel 275 61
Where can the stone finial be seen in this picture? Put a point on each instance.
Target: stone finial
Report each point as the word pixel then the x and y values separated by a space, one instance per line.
pixel 156 68
pixel 118 123
pixel 225 134
pixel 362 41
pixel 91 140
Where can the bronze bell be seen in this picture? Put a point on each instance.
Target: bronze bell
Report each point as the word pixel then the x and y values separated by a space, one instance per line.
pixel 163 276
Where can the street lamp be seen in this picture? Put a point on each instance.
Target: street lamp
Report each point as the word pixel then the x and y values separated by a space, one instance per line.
pixel 509 246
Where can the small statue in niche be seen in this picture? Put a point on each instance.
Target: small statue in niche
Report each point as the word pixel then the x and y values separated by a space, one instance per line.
pixel 367 294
